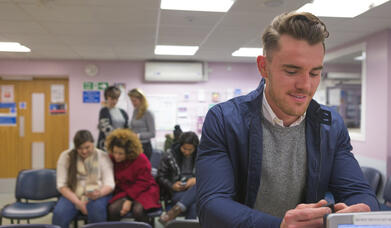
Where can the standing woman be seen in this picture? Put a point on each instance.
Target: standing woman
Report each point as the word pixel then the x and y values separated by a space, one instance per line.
pixel 142 122
pixel 110 117
pixel 136 190
pixel 176 176
pixel 85 180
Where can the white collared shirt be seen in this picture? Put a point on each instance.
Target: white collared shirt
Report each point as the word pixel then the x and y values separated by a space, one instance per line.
pixel 271 116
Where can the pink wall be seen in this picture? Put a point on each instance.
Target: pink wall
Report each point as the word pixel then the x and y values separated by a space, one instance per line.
pixel 377 93
pixel 83 115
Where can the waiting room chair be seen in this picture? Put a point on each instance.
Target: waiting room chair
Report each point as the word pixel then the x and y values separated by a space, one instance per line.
pixel 30 226
pixel 151 216
pixel 188 223
pixel 155 160
pixel 374 178
pixel 39 184
pixel 119 224
pixel 386 205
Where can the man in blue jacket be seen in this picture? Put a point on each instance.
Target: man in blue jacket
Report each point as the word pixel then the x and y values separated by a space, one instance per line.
pixel 268 158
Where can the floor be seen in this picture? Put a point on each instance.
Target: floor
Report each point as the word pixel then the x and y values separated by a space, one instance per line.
pixel 6 198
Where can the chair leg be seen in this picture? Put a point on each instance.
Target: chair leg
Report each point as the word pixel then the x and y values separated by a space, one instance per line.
pixel 75 225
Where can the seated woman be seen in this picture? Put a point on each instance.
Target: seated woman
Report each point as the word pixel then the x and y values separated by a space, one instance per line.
pixel 176 175
pixel 136 190
pixel 85 180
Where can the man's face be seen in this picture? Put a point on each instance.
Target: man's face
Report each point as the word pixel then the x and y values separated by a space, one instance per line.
pixel 292 77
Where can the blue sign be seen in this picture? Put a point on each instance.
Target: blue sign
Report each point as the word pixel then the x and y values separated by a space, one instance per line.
pixel 91 96
pixel 7 120
pixel 7 105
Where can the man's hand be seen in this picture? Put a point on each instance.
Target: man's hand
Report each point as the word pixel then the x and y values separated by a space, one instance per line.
pixel 177 186
pixel 306 215
pixel 343 208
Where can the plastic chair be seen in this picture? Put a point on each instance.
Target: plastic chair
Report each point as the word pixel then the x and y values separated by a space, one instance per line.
pixel 155 160
pixel 386 205
pixel 374 178
pixel 188 223
pixel 30 226
pixel 151 216
pixel 119 224
pixel 37 184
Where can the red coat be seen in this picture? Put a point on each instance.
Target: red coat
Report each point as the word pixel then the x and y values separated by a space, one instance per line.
pixel 134 179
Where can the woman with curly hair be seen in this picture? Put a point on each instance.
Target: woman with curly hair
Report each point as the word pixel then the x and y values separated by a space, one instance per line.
pixel 136 190
pixel 142 122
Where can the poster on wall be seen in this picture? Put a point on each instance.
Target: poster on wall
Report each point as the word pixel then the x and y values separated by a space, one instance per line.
pixel 55 109
pixel 57 93
pixel 123 98
pixel 163 108
pixel 8 118
pixel 7 94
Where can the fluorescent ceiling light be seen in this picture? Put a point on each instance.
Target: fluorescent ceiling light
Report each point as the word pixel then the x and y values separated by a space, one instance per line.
pixel 175 50
pixel 197 5
pixel 361 57
pixel 13 47
pixel 340 8
pixel 248 52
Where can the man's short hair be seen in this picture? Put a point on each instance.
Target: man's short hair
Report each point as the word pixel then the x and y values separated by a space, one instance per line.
pixel 299 25
pixel 113 92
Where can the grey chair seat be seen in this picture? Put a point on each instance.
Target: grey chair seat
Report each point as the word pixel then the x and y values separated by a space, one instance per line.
pixel 20 210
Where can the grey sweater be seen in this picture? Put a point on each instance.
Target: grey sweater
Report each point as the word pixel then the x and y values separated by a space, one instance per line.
pixel 145 126
pixel 283 173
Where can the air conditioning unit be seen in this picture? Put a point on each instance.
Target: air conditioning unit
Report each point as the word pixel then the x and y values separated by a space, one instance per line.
pixel 175 71
pixel 343 75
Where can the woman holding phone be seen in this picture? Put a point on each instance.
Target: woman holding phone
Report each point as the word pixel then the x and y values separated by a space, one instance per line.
pixel 176 176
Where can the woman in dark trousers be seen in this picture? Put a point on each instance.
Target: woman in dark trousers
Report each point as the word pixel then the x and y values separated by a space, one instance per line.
pixel 142 122
pixel 136 190
pixel 176 176
pixel 111 117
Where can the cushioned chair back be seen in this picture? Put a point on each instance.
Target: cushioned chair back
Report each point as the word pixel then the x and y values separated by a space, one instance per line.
pixel 188 223
pixel 387 191
pixel 38 184
pixel 118 225
pixel 30 226
pixel 373 176
pixel 155 160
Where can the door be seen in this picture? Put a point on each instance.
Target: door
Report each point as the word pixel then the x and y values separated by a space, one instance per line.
pixel 34 124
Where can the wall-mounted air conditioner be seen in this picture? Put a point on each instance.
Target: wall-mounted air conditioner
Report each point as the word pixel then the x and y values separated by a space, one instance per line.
pixel 175 71
pixel 343 75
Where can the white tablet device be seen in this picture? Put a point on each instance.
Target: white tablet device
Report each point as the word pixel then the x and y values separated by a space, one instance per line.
pixel 377 219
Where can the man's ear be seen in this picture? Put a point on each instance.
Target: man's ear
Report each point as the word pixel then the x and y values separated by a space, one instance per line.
pixel 261 63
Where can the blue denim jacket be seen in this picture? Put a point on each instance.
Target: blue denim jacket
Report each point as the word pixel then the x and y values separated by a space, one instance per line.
pixel 230 158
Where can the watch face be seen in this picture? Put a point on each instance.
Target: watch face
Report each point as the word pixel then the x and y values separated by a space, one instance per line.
pixel 91 69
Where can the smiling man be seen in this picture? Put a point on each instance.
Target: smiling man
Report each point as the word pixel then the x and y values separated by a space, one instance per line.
pixel 267 159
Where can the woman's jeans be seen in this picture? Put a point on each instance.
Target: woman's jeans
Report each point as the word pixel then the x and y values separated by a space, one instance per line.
pixel 188 199
pixel 65 211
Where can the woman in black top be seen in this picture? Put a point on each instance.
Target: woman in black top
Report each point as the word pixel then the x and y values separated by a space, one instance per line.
pixel 110 117
pixel 176 176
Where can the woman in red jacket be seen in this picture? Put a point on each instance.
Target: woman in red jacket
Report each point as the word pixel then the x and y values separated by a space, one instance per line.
pixel 135 189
